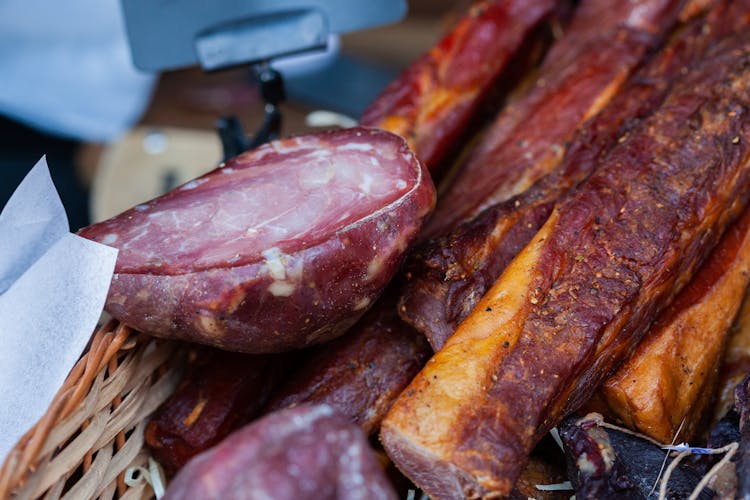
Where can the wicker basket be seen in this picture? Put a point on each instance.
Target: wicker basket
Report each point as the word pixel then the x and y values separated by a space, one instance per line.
pixel 93 430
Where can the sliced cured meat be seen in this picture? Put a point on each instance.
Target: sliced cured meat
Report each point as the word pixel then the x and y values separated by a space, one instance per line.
pixel 284 246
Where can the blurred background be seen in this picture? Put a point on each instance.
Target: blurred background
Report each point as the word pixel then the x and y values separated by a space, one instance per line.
pixel 114 136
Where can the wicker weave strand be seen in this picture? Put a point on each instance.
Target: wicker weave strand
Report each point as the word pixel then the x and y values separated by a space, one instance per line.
pixel 93 429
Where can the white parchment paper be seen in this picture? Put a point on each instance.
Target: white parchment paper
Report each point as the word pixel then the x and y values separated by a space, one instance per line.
pixel 53 285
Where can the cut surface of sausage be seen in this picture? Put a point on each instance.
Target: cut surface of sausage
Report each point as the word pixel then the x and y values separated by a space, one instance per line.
pixel 283 246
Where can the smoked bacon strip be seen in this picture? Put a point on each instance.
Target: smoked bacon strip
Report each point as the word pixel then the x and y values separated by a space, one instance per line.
pixel 578 298
pixel 669 381
pixel 579 75
pixel 434 101
pixel 447 276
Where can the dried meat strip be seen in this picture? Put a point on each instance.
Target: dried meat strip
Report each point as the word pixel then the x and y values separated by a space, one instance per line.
pixel 668 383
pixel 449 275
pixel 220 392
pixel 580 74
pixel 361 373
pixel 433 102
pixel 578 298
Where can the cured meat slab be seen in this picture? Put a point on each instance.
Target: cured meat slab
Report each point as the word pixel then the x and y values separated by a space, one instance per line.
pixel 448 275
pixel 579 297
pixel 433 102
pixel 580 74
pixel 668 383
pixel 282 247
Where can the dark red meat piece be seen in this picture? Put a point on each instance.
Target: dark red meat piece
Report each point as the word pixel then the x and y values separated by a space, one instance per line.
pixel 220 392
pixel 307 452
pixel 284 246
pixel 361 373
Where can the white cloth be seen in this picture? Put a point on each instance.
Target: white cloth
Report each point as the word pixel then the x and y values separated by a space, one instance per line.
pixel 65 68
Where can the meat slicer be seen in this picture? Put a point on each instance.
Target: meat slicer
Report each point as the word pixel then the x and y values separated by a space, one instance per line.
pixel 220 34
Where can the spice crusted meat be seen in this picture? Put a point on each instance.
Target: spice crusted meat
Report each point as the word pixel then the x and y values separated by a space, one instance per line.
pixel 579 75
pixel 577 299
pixel 668 383
pixel 447 276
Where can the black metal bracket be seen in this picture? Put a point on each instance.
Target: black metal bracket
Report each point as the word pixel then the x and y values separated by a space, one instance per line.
pixel 233 138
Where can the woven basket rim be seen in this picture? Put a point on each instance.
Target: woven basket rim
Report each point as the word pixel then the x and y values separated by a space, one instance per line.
pixel 93 429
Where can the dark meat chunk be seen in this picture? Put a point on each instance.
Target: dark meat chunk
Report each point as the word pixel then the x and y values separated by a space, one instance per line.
pixel 574 303
pixel 361 373
pixel 307 452
pixel 283 247
pixel 219 393
pixel 606 463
